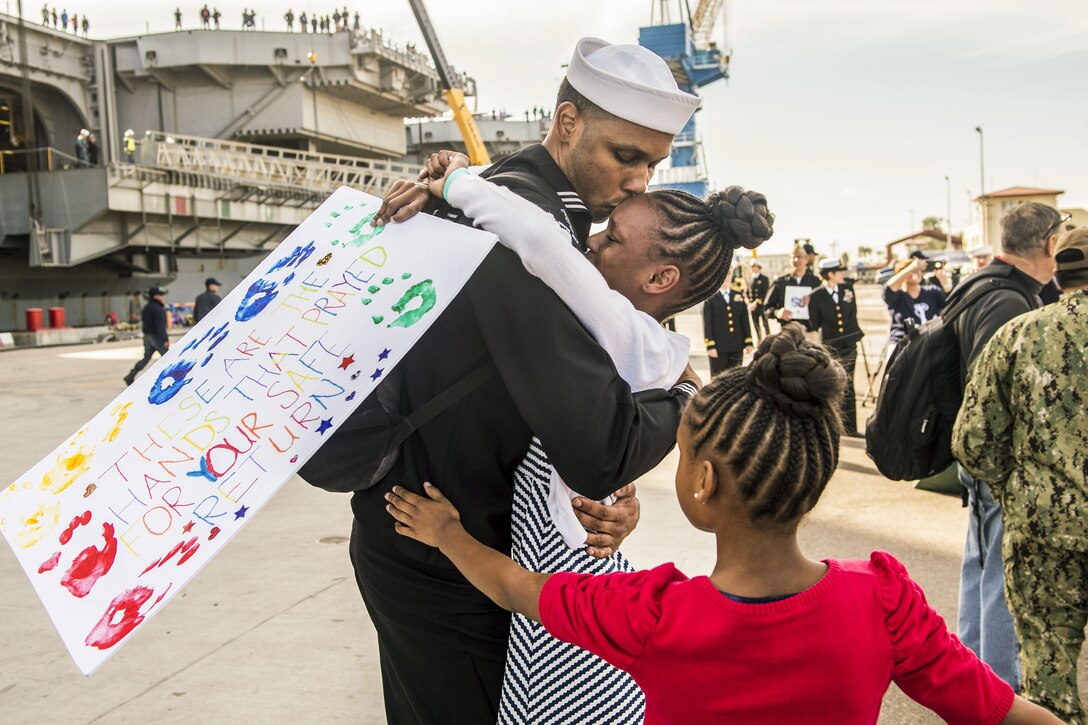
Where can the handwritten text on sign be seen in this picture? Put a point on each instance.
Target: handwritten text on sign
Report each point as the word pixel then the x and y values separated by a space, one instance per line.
pixel 117 519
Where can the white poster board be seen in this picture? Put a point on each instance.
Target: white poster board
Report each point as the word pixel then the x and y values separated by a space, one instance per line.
pixel 113 523
pixel 797 301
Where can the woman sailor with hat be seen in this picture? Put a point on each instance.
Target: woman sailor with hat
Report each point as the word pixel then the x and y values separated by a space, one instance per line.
pixel 833 312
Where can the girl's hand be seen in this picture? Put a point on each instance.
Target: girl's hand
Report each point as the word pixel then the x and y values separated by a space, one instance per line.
pixel 403 201
pixel 440 166
pixel 427 520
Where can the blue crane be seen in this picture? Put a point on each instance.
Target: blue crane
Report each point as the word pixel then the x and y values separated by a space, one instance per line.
pixel 696 60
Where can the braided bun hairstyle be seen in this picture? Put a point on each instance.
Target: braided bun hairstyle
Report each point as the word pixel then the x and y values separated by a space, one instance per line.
pixel 700 236
pixel 775 424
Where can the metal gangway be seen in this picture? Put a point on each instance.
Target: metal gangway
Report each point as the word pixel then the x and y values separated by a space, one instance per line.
pixel 300 173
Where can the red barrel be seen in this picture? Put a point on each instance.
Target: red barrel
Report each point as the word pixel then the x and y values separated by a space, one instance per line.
pixel 56 317
pixel 33 319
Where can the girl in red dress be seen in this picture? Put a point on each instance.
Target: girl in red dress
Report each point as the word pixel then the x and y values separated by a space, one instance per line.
pixel 770 636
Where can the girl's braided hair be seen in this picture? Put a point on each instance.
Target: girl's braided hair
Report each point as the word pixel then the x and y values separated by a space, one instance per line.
pixel 701 235
pixel 775 424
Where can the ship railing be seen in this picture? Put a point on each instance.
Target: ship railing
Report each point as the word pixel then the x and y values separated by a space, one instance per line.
pixel 122 174
pixel 256 164
pixel 369 39
pixel 49 159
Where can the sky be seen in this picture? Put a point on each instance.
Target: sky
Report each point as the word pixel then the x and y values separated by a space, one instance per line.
pixel 847 114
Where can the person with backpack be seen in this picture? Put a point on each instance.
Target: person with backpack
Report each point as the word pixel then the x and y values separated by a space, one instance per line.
pixel 1024 431
pixel 909 436
pixel 617 113
pixel 770 635
pixel 1029 232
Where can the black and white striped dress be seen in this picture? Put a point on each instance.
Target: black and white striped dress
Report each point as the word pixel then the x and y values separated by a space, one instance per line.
pixel 548 681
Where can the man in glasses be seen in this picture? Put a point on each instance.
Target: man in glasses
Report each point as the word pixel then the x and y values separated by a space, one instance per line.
pixel 1029 233
pixel 1051 291
pixel 1024 429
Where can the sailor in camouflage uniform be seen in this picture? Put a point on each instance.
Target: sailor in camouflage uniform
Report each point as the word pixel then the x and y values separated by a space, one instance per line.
pixel 1023 429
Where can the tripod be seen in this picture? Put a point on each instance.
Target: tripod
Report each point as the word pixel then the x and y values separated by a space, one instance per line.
pixel 885 355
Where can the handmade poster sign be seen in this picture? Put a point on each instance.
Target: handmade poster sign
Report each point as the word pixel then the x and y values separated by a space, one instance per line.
pixel 117 519
pixel 797 301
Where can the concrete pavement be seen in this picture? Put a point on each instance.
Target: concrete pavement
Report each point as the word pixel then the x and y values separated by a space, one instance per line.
pixel 274 631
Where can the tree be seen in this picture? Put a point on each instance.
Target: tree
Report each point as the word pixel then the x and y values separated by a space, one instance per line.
pixel 932 222
pixel 865 252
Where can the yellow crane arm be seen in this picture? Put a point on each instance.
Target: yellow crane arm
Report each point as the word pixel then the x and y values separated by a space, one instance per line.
pixel 454 94
pixel 470 132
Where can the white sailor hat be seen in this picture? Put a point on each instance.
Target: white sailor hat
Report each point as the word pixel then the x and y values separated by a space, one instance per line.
pixel 632 83
pixel 830 265
pixel 984 251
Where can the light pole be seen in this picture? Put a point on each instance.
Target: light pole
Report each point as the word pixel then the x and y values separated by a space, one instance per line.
pixel 948 211
pixel 981 164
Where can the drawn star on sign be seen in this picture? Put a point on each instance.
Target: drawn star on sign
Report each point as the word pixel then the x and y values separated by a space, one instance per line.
pixel 325 425
pixel 187 527
pixel 347 362
pixel 376 374
pixel 240 513
pixel 384 354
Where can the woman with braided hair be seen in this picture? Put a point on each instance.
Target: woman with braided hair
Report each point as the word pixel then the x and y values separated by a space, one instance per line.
pixel 770 635
pixel 661 253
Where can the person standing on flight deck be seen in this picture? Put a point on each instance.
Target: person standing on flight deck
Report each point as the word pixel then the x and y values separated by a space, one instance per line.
pixel 616 114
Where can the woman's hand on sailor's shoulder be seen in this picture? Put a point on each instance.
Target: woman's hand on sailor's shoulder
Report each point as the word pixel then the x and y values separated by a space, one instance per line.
pixel 441 163
pixel 439 167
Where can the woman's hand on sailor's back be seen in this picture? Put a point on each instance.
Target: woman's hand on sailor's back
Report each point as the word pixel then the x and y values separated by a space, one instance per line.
pixel 608 525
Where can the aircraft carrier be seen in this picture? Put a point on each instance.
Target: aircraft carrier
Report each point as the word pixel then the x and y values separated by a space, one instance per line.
pixel 239 136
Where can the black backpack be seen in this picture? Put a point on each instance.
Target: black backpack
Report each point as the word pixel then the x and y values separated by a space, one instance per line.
pixel 909 436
